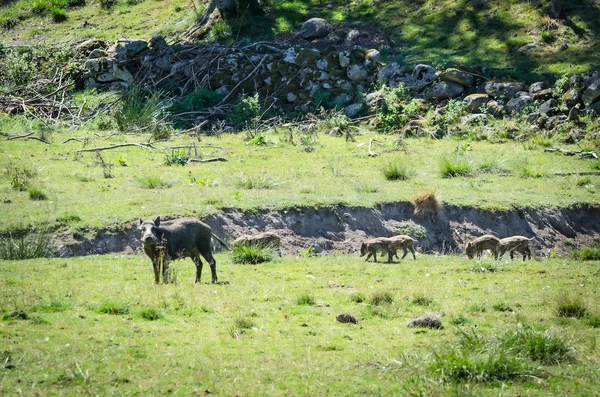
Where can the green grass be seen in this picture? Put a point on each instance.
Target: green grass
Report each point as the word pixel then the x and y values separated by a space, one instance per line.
pixel 249 254
pixel 281 176
pixel 587 253
pixel 397 172
pixel 568 304
pixel 234 337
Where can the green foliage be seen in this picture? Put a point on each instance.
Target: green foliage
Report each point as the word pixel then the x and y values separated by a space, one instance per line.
pixel 451 167
pixel 305 300
pixel 485 266
pixel 107 4
pixel 16 69
pixel 55 306
pixel 201 98
pixel 69 217
pixel 245 182
pixel 240 326
pixel 561 86
pixel 358 297
pixel 246 111
pixel 58 14
pixel 569 305
pixel 460 320
pixel 19 175
pixel 177 157
pixel 529 172
pixel 396 108
pixel 141 111
pixel 587 253
pixel 501 307
pixel 36 193
pixel 151 314
pixel 421 299
pixel 251 254
pixel 25 246
pixel 113 308
pixel 583 181
pixel 258 139
pixel 398 171
pixel 592 321
pixel 454 110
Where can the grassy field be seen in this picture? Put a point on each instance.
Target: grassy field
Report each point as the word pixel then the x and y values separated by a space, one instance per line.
pixel 439 32
pixel 50 183
pixel 98 325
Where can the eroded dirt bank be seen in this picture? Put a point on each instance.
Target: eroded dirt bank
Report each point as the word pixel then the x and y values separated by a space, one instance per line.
pixel 342 228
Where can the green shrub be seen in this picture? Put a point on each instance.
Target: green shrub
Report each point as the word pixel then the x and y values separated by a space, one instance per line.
pixel 544 347
pixel 37 194
pixel 305 299
pixel 246 111
pixel 592 321
pixel 396 108
pixel 200 99
pixel 106 4
pixel 453 167
pixel 240 326
pixel 19 175
pixel 58 14
pixel 177 157
pixel 16 70
pixel 22 246
pixel 252 254
pixel 113 308
pixel 141 111
pixel 568 305
pixel 561 86
pixel 397 172
pixel 151 314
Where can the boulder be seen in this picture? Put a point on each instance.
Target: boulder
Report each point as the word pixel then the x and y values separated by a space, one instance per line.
pixel 495 108
pixel 125 49
pixel 457 76
pixel 423 75
pixel 542 95
pixel 307 57
pixel 344 58
pixel 503 88
pixel 517 105
pixel 549 108
pixel 446 89
pixel 591 94
pixel 571 97
pixel 477 118
pixel 390 74
pixel 372 57
pixel 91 44
pixel 354 110
pixel 594 108
pixel 356 73
pixel 476 101
pixel 315 28
pixel 537 87
pixel 527 48
pixel 352 35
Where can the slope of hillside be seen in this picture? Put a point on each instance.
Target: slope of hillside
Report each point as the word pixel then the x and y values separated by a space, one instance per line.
pixel 491 33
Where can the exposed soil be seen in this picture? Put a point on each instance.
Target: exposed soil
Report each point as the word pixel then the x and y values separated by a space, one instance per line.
pixel 342 229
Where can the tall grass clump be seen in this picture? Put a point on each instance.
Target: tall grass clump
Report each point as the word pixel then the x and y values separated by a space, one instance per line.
pixel 153 182
pixel 543 347
pixel 141 111
pixel 587 253
pixel 381 298
pixel 19 176
pixel 55 306
pixel 426 204
pixel 451 167
pixel 22 246
pixel 305 300
pixel 240 326
pixel 251 254
pixel 397 172
pixel 151 314
pixel 568 305
pixel 36 194
pixel 245 182
pixel 113 308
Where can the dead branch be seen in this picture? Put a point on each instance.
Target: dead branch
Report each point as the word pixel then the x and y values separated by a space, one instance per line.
pixel 10 138
pixel 73 139
pixel 580 153
pixel 211 160
pixel 242 81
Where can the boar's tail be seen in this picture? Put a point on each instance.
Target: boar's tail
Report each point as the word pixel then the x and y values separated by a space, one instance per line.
pixel 220 241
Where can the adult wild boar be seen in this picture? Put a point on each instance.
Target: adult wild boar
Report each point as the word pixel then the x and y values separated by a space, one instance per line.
pixel 515 243
pixel 175 239
pixel 480 244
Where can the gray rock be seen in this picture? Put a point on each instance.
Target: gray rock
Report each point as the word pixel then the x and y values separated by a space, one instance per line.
pixel 390 74
pixel 373 99
pixel 503 88
pixel 163 64
pixel 571 97
pixel 446 89
pixel 423 75
pixel 517 105
pixel 495 108
pixel 549 108
pixel 591 94
pixel 356 73
pixel 555 121
pixel 354 110
pixel 594 108
pixel 126 49
pixel 477 118
pixel 457 76
pixel 527 48
pixel 353 35
pixel 98 53
pixel 476 101
pixel 542 95
pixel 344 57
pixel 291 97
pixel 315 28
pixel 372 57
pixel 537 87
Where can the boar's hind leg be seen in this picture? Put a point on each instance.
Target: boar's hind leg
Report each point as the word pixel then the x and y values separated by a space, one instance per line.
pixel 198 264
pixel 207 254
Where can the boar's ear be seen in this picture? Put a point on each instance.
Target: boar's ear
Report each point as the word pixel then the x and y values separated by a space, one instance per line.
pixel 157 221
pixel 141 221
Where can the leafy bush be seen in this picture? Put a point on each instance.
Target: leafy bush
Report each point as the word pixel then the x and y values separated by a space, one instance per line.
pixel 305 299
pixel 397 172
pixel 22 246
pixel 587 253
pixel 177 157
pixel 396 108
pixel 58 14
pixel 568 305
pixel 200 99
pixel 246 111
pixel 69 217
pixel 252 254
pixel 16 69
pixel 19 175
pixel 561 86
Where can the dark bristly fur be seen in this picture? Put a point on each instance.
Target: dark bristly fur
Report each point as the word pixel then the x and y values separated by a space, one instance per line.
pixel 179 238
